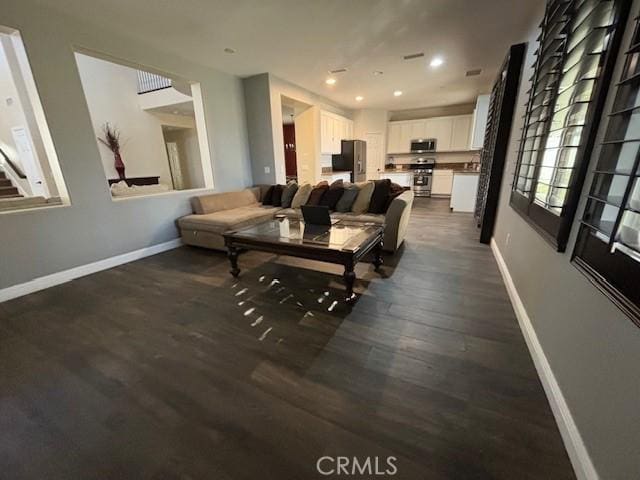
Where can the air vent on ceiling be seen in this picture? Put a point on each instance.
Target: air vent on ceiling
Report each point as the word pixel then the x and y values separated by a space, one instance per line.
pixel 338 70
pixel 413 55
pixel 473 73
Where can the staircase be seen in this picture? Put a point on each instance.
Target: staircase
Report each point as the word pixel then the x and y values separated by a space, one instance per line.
pixel 7 190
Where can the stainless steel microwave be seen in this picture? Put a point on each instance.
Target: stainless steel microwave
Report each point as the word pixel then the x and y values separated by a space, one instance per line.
pixel 423 145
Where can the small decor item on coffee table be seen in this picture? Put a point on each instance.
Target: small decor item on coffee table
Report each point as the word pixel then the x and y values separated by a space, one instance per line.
pixel 343 243
pixel 112 141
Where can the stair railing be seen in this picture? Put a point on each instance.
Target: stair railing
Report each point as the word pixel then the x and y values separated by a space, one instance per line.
pixel 16 170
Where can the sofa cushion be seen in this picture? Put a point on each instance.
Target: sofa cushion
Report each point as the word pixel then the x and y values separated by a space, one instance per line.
pixel 224 220
pixel 222 201
pixel 276 199
pixel 267 198
pixel 302 196
pixel 331 196
pixel 361 205
pixel 380 195
pixel 287 194
pixel 395 191
pixel 317 193
pixel 360 217
pixel 348 197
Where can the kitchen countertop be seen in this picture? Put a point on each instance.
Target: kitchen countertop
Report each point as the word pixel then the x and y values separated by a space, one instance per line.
pixel 466 172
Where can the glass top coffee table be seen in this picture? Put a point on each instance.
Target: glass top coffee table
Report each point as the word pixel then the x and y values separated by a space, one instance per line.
pixel 344 243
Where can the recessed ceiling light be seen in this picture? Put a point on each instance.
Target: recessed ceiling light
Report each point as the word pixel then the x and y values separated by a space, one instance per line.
pixel 436 62
pixel 378 72
pixel 397 93
pixel 229 50
pixel 359 98
pixel 330 81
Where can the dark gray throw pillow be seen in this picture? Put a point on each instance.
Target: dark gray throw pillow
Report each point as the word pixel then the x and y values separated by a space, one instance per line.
pixel 349 196
pixel 380 195
pixel 288 193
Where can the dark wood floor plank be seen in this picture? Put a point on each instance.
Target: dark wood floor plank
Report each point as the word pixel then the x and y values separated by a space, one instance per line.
pixel 169 368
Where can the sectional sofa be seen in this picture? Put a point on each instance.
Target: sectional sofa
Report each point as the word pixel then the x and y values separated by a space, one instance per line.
pixel 216 213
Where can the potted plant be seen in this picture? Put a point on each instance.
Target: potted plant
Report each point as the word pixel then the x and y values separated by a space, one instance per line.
pixel 112 141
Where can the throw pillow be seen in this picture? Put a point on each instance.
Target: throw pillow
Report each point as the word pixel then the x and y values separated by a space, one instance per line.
pixel 380 194
pixel 302 196
pixel 317 193
pixel 267 199
pixel 276 198
pixel 331 196
pixel 395 191
pixel 361 205
pixel 288 193
pixel 348 197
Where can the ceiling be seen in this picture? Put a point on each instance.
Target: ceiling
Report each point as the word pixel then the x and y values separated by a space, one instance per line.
pixel 301 40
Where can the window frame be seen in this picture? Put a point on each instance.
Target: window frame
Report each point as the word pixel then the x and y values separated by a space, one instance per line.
pixel 613 272
pixel 556 228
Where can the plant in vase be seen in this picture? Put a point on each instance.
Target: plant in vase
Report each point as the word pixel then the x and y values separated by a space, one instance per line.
pixel 112 141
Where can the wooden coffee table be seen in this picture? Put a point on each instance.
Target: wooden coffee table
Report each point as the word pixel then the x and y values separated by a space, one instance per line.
pixel 344 243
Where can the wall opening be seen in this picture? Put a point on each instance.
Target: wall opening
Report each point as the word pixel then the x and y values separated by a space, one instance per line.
pixel 149 126
pixel 30 174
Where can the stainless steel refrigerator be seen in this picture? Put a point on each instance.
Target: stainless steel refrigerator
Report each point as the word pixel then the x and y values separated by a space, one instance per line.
pixel 352 158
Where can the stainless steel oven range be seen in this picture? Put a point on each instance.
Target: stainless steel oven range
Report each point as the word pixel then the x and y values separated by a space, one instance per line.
pixel 422 169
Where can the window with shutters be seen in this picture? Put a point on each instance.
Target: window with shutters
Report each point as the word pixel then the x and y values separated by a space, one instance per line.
pixel 575 56
pixel 608 245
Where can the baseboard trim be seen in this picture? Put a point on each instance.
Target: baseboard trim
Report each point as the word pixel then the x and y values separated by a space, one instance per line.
pixel 578 454
pixel 64 276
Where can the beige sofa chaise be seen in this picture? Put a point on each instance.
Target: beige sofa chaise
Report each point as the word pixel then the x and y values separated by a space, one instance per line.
pixel 216 213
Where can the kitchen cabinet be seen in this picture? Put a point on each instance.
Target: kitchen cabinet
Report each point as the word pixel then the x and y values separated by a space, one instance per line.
pixel 442 182
pixel 333 129
pixel 452 133
pixel 440 128
pixel 461 132
pixel 464 191
pixel 404 179
pixel 400 137
pixel 480 116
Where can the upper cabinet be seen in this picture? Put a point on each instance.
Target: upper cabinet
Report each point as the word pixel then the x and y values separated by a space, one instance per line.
pixel 333 129
pixel 461 133
pixel 452 134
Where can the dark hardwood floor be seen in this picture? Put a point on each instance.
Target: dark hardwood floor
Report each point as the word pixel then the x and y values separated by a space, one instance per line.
pixel 167 368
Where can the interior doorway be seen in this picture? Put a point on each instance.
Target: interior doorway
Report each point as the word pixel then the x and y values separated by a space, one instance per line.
pixel 289 137
pixel 293 139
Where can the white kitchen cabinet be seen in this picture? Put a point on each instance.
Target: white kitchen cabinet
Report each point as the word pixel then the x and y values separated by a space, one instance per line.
pixel 333 129
pixel 394 138
pixel 440 128
pixel 480 115
pixel 442 182
pixel 461 132
pixel 401 133
pixel 404 179
pixel 464 191
pixel 416 130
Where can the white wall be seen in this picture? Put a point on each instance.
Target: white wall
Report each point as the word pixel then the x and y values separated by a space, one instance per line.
pixel 94 227
pixel 189 151
pixel 111 91
pixel 308 145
